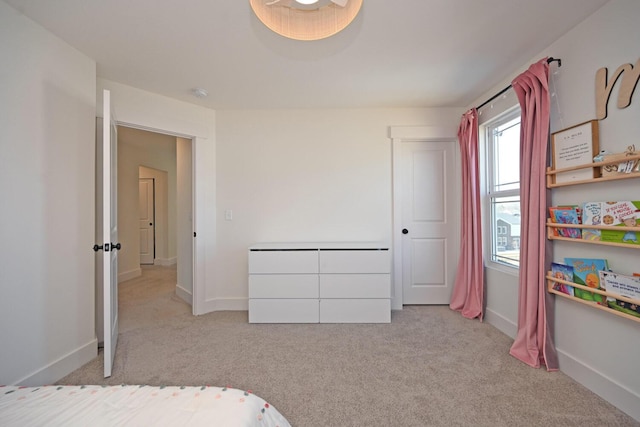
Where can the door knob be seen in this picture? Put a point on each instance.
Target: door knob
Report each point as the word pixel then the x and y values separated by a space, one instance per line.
pixel 116 246
pixel 405 231
pixel 96 248
pixel 150 223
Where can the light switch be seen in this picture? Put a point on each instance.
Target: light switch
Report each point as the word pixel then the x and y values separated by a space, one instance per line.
pixel 228 215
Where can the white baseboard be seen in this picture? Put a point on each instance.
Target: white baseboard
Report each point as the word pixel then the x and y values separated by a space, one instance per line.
pixel 617 394
pixel 184 294
pixel 503 324
pixel 226 304
pixel 128 275
pixel 62 367
pixel 165 261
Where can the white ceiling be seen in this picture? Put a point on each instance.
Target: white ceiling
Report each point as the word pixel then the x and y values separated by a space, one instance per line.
pixel 396 53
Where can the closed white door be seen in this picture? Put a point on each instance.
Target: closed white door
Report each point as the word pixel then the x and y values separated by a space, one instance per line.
pixel 147 221
pixel 429 225
pixel 109 233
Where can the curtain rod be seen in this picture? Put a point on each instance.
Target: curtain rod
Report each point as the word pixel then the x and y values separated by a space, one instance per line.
pixel 549 61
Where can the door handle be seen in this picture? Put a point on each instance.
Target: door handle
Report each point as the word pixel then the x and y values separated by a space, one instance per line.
pixel 150 223
pixel 405 231
pixel 107 247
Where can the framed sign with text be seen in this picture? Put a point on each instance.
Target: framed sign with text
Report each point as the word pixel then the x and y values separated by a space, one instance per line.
pixel 575 146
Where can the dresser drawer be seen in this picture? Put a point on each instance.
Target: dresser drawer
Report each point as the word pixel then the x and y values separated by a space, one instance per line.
pixel 355 310
pixel 283 261
pixel 283 286
pixel 284 311
pixel 355 286
pixel 355 261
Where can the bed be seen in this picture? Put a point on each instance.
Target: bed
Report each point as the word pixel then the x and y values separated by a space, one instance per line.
pixel 128 405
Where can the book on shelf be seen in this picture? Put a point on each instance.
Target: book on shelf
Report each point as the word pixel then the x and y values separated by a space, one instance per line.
pixel 591 215
pixel 622 285
pixel 623 306
pixel 566 215
pixel 586 273
pixel 564 272
pixel 624 213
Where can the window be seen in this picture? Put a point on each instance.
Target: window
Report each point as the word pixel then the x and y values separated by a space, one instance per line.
pixel 502 200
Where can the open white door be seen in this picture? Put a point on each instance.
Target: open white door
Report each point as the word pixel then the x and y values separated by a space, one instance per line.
pixel 109 233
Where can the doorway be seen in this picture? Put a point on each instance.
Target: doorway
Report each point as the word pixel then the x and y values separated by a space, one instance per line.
pixel 425 212
pixel 155 182
pixel 173 207
pixel 139 109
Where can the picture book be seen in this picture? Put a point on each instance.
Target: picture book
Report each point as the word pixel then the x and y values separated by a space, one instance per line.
pixel 567 216
pixel 620 285
pixel 552 217
pixel 585 273
pixel 626 286
pixel 624 307
pixel 564 272
pixel 622 213
pixel 591 215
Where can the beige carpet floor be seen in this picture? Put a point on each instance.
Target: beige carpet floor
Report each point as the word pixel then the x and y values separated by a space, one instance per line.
pixel 429 367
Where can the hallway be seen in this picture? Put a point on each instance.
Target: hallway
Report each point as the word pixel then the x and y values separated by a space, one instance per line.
pixel 150 298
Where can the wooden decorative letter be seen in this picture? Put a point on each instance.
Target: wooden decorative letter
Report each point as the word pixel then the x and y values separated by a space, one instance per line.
pixel 604 88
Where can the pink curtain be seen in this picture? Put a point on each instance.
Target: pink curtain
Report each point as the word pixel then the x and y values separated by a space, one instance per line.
pixel 468 290
pixel 534 342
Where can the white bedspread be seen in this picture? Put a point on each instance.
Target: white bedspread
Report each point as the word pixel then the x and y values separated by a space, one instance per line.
pixel 134 406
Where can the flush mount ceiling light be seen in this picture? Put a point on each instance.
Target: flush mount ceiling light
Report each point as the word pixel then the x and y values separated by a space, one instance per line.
pixel 199 92
pixel 306 19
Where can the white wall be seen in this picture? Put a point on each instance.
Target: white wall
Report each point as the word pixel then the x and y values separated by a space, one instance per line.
pixel 305 175
pixel 47 164
pixel 596 348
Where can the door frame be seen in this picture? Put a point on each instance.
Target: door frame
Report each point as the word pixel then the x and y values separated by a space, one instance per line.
pixel 195 289
pixel 398 135
pixel 145 110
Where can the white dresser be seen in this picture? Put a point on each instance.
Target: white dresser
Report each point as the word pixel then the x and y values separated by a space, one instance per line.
pixel 319 283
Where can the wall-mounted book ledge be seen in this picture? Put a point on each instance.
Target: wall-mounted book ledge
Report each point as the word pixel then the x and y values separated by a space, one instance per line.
pixel 554 225
pixel 551 284
pixel 596 166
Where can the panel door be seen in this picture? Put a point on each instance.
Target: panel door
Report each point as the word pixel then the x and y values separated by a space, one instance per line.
pixel 147 221
pixel 109 234
pixel 429 222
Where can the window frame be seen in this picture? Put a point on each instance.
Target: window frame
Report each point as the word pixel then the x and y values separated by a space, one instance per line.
pixel 487 158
